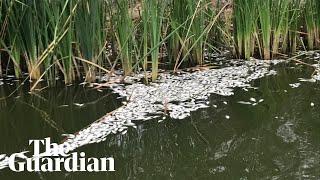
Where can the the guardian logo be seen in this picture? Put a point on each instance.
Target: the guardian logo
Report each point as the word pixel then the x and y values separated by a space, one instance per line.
pixel 56 158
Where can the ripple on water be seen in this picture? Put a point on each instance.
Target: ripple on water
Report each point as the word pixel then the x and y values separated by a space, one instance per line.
pixel 218 169
pixel 302 159
pixel 286 132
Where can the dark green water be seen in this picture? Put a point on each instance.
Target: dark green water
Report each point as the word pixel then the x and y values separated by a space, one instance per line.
pixel 277 139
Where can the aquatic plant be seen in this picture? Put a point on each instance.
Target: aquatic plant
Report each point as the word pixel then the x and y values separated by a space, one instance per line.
pixel 265 24
pixel 294 16
pixel 122 27
pixel 81 39
pixel 245 19
pixel 155 12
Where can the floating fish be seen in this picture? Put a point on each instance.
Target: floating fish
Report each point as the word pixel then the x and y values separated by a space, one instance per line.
pixel 68 135
pixel 78 104
pixel 21 155
pixel 2 156
pixel 185 93
pixel 253 99
pixel 244 102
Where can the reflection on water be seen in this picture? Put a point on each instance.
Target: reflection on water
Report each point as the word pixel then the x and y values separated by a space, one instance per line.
pixel 276 139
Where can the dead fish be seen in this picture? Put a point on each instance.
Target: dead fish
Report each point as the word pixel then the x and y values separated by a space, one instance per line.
pixel 244 102
pixel 78 104
pixel 129 124
pixel 123 128
pixel 114 131
pixel 253 99
pixel 245 89
pixel 21 155
pixel 70 136
pixel 227 117
pixel 2 156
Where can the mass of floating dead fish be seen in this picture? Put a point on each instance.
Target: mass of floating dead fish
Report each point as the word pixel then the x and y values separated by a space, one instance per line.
pixel 175 96
pixel 172 95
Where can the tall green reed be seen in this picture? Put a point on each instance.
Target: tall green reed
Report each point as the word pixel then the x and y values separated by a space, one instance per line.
pixel 63 54
pixel 294 16
pixel 70 37
pixel 265 24
pixel 178 16
pixel 279 22
pixel 90 30
pixel 153 17
pixel 245 18
pixel 188 41
pixel 317 24
pixel 197 27
pixel 11 22
pixel 122 25
pixel 273 25
pixel 309 15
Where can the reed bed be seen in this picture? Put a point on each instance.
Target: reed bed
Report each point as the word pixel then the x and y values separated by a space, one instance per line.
pixel 83 39
pixel 275 27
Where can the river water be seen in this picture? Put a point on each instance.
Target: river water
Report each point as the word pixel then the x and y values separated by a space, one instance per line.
pixel 270 131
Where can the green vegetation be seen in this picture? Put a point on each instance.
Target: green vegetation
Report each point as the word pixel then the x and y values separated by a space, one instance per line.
pixel 273 27
pixel 81 39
